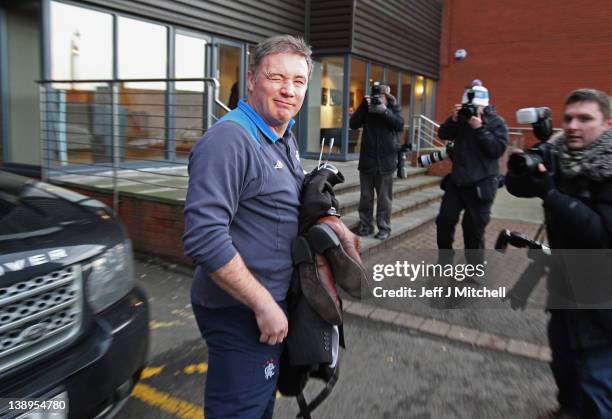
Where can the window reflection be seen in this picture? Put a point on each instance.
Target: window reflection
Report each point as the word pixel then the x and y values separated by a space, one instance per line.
pixel 190 57
pixel 356 94
pixel 406 87
pixel 419 95
pixel 392 81
pixel 142 50
pixel 142 54
pixel 430 105
pixel 81 43
pixel 325 99
pixel 377 73
pixel 81 48
pixel 229 75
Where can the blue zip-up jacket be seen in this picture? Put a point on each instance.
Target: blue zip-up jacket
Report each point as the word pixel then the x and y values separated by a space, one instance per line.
pixel 243 196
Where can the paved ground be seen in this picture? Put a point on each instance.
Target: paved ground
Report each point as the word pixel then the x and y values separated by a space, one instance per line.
pixel 413 362
pixel 389 370
pixel 404 361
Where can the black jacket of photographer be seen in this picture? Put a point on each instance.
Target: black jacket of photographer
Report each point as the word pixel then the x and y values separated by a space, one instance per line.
pixel 380 138
pixel 476 152
pixel 578 214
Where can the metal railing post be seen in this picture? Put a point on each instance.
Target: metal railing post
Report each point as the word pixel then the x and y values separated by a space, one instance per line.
pixel 115 145
pixel 418 137
pixel 170 118
pixel 44 146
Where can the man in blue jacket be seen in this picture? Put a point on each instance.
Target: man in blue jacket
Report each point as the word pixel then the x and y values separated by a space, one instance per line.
pixel 241 215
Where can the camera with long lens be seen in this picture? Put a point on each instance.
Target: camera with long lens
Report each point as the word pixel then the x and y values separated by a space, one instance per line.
pixel 545 153
pixel 428 159
pixel 467 110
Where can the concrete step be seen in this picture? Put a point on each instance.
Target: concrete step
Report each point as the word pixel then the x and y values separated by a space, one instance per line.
pixel 402 206
pixel 402 228
pixel 349 201
pixel 352 179
pixel 412 209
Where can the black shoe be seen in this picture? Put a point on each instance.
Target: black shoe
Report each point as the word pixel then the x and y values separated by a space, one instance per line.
pixel 323 303
pixel 382 235
pixel 363 232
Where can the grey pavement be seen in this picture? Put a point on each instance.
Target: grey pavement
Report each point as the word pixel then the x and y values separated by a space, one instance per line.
pixel 411 361
pixel 391 369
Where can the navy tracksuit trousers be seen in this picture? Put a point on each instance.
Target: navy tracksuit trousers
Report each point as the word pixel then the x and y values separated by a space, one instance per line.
pixel 242 372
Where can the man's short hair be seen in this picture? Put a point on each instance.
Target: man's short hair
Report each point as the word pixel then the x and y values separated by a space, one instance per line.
pixel 281 44
pixel 591 95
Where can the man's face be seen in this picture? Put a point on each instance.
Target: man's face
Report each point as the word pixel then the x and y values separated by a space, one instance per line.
pixel 583 123
pixel 277 91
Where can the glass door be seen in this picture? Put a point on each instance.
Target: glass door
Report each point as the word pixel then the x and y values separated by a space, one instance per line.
pixel 228 68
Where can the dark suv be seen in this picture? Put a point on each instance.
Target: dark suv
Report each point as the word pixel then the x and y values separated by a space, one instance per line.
pixel 73 323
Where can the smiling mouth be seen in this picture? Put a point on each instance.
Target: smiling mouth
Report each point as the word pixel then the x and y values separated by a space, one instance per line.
pixel 280 102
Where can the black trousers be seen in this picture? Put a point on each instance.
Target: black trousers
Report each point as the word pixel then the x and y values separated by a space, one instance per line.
pixel 383 185
pixel 475 219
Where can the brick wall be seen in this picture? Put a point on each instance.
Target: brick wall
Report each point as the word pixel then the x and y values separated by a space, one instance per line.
pixel 154 227
pixel 527 53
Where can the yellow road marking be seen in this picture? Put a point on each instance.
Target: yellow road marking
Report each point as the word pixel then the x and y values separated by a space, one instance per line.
pixel 200 368
pixel 183 313
pixel 167 403
pixel 151 372
pixel 154 324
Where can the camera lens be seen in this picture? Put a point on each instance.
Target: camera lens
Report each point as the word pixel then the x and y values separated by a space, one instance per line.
pixel 523 164
pixel 425 160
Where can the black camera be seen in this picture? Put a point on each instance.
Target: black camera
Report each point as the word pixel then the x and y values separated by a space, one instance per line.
pixel 468 110
pixel 376 92
pixel 428 159
pixel 544 153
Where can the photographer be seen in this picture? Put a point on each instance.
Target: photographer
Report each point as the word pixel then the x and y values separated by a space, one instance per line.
pixel 577 202
pixel 480 139
pixel 380 116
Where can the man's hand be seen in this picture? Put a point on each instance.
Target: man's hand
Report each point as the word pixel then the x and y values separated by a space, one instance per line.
pixel 391 100
pixel 476 121
pixel 455 111
pixel 532 185
pixel 235 278
pixel 272 323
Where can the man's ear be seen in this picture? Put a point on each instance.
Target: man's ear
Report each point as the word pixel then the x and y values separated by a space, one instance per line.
pixel 250 79
pixel 610 122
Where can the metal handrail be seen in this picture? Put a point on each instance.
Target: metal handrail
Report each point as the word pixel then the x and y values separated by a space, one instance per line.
pixel 424 131
pixel 111 91
pixel 212 80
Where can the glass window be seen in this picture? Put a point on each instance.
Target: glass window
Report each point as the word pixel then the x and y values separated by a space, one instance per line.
pixel 81 43
pixel 142 54
pixel 228 74
pixel 392 77
pixel 430 99
pixel 325 97
pixel 419 96
pixel 377 73
pixel 190 60
pixel 356 93
pixel 81 48
pixel 142 49
pixel 406 89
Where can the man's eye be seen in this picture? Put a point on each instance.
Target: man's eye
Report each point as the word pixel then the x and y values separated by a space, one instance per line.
pixel 276 78
pixel 300 82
